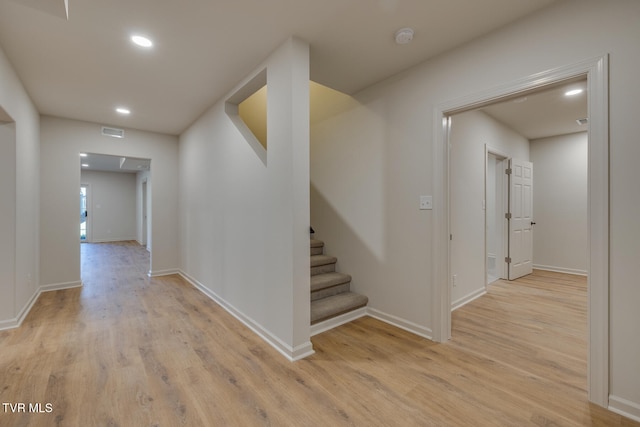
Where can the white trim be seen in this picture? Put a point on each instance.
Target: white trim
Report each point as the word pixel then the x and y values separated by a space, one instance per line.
pixel 291 353
pixel 624 407
pixel 334 322
pixel 596 70
pixel 167 272
pixel 468 298
pixel 17 321
pixel 398 322
pixel 553 268
pixel 59 286
pixel 113 240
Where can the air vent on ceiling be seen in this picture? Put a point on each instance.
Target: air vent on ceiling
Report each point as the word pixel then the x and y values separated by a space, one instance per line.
pixel 582 121
pixel 114 132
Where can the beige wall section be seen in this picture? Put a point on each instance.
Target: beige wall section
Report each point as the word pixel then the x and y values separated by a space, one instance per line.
pixel 470 132
pixel 253 112
pixel 23 197
pixel 62 141
pixel 113 205
pixel 378 157
pixel 560 239
pixel 244 223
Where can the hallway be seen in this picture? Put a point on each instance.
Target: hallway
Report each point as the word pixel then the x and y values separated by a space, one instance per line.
pixel 129 350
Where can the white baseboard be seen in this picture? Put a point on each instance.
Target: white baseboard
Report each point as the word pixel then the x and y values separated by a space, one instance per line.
pixel 167 272
pixel 467 299
pixel 401 323
pixel 291 353
pixel 17 321
pixel 60 286
pixel 624 407
pixel 113 240
pixel 561 269
pixel 337 321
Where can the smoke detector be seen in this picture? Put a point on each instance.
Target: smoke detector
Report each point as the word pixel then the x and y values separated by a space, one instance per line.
pixel 404 35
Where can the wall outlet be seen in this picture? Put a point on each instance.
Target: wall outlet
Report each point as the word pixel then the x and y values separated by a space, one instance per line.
pixel 454 280
pixel 426 202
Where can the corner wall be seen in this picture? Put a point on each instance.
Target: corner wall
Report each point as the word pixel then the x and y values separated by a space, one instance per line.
pixel 62 142
pixel 244 222
pixel 23 198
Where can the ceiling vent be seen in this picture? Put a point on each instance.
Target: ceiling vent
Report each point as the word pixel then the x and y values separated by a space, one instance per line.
pixel 582 121
pixel 113 132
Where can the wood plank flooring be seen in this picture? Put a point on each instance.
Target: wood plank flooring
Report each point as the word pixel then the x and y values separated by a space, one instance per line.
pixel 129 350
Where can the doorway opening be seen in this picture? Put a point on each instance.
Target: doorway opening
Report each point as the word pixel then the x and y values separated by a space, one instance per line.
pixel 85 230
pixel 596 72
pixel 115 201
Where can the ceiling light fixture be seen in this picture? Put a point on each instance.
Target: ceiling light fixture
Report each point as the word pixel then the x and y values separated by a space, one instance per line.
pixel 404 35
pixel 85 165
pixel 141 41
pixel 123 111
pixel 573 92
pixel 83 154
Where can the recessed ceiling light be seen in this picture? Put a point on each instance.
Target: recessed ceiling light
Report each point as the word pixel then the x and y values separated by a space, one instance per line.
pixel 124 111
pixel 85 165
pixel 573 92
pixel 141 41
pixel 83 154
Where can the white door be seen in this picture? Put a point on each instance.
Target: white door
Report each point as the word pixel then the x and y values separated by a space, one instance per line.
pixel 520 219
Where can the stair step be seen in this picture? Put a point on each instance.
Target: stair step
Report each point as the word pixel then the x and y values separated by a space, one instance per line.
pixel 335 305
pixel 322 264
pixel 315 243
pixel 328 284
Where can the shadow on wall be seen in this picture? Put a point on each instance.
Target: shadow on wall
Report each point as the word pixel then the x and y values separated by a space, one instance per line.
pixel 354 256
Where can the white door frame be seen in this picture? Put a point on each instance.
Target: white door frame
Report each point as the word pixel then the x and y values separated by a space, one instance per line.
pixel 503 234
pixel 596 71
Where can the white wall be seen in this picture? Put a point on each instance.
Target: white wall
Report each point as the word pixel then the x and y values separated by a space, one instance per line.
pixel 113 205
pixel 470 131
pixel 245 223
pixel 560 203
pixel 62 142
pixel 21 147
pixel 386 135
pixel 143 236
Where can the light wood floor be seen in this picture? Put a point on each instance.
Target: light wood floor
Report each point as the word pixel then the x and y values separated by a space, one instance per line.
pixel 127 350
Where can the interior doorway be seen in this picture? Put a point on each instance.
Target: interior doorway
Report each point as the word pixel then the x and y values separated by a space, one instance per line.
pixel 495 221
pixel 596 72
pixel 115 202
pixel 85 229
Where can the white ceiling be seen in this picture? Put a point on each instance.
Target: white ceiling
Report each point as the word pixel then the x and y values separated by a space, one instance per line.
pixel 83 67
pixel 544 112
pixel 107 163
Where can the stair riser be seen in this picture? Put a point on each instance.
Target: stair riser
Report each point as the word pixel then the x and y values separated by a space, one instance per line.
pixel 327 292
pixel 316 251
pixel 327 268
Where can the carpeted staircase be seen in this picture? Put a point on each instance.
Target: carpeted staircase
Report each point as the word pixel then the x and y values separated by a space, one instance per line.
pixel 330 293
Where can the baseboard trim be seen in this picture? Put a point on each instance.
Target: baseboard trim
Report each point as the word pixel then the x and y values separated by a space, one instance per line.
pixel 401 323
pixel 168 272
pixel 291 353
pixel 334 322
pixel 122 239
pixel 17 321
pixel 60 286
pixel 467 299
pixel 561 270
pixel 624 407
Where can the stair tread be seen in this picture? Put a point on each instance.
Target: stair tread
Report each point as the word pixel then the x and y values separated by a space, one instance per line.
pixel 315 243
pixel 334 305
pixel 327 280
pixel 317 260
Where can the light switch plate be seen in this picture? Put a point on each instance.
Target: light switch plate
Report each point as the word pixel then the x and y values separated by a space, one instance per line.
pixel 426 203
